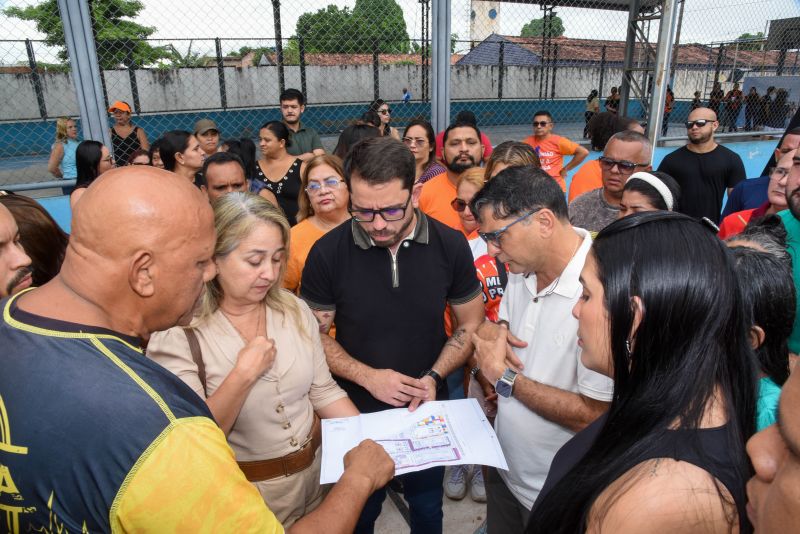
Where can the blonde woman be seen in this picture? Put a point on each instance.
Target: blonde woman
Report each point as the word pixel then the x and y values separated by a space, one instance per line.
pixel 62 155
pixel 510 154
pixel 254 354
pixel 323 206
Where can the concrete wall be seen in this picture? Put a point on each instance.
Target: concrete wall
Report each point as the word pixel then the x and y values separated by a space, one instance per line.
pixel 198 88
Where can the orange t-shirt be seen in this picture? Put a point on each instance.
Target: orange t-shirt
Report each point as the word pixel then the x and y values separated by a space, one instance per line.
pixel 304 235
pixel 551 154
pixel 434 201
pixel 587 178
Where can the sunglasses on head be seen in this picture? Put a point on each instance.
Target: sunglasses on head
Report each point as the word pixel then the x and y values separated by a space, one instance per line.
pixel 699 123
pixel 459 205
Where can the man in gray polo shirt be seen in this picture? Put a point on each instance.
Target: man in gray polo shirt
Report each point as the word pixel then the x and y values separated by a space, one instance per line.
pixel 305 141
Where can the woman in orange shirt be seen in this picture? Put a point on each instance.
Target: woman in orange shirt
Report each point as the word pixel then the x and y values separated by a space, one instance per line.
pixel 323 206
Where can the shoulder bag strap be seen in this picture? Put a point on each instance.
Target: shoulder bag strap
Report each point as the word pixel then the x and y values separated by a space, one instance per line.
pixel 197 356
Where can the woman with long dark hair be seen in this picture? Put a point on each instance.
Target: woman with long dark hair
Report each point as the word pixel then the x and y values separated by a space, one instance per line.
pixel 352 135
pixel 669 454
pixel 181 153
pixel 421 141
pixel 92 159
pixel 649 191
pixel 383 110
pixel 278 170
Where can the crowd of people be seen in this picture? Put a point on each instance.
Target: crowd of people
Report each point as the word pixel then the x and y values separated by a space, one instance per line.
pixel 171 367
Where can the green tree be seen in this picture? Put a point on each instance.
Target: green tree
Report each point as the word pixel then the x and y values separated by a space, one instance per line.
pixel 335 30
pixel 535 28
pixel 120 41
pixel 751 41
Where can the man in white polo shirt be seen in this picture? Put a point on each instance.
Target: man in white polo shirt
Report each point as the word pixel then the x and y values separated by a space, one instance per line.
pixel 545 395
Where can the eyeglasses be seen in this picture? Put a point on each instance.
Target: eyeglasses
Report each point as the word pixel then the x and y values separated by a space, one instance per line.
pixel 625 167
pixel 493 238
pixel 316 187
pixel 459 205
pixel 387 214
pixel 415 141
pixel 779 172
pixel 386 111
pixel 699 123
pixel 540 124
pixel 109 159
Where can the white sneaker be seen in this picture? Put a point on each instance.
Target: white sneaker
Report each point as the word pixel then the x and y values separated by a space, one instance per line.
pixel 476 488
pixel 455 485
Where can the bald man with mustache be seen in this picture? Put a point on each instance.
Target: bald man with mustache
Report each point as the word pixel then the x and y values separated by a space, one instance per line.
pixel 96 437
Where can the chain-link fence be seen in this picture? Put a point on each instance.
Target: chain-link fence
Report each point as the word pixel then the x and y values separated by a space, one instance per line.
pixel 177 62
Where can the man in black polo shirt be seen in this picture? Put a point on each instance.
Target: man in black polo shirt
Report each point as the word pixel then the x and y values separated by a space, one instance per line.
pixel 703 168
pixel 384 280
pixel 305 141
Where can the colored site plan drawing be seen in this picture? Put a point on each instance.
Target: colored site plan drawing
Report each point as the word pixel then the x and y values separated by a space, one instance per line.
pixel 427 442
pixel 437 433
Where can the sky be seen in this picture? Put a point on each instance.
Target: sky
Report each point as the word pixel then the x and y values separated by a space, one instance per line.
pixel 704 20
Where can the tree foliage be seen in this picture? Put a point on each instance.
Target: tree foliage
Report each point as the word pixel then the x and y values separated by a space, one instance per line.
pixel 535 28
pixel 120 41
pixel 335 30
pixel 751 41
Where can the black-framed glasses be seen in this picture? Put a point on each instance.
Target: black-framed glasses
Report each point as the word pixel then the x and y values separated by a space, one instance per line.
pixel 780 172
pixel 624 166
pixel 493 238
pixel 387 214
pixel 331 183
pixel 541 124
pixel 699 123
pixel 386 111
pixel 415 141
pixel 459 205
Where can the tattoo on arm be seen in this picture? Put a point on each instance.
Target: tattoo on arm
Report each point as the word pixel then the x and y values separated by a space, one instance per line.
pixel 457 339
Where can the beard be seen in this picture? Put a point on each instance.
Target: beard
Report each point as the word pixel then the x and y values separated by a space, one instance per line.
pixel 793 200
pixel 22 273
pixel 700 140
pixel 394 238
pixel 457 167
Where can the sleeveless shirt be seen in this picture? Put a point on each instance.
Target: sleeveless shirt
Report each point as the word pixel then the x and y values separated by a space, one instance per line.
pixel 287 189
pixel 125 146
pixel 707 448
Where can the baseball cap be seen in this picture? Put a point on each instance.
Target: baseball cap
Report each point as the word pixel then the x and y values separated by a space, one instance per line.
pixel 120 105
pixel 204 125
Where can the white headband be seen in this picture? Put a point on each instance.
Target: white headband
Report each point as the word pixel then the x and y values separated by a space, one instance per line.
pixel 660 186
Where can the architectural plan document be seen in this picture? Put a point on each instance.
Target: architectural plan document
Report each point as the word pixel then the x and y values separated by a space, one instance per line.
pixel 437 433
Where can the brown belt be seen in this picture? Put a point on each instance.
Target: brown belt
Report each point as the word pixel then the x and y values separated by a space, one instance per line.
pixel 286 465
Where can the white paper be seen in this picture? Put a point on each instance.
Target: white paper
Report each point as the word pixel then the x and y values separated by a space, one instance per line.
pixel 437 433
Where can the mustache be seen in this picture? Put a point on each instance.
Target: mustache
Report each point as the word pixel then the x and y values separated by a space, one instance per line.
pixel 22 273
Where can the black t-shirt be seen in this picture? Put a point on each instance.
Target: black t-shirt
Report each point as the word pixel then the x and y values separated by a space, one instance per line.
pixel 389 318
pixel 703 178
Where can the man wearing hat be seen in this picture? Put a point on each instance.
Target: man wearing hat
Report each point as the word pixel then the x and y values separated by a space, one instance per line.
pixel 126 138
pixel 207 133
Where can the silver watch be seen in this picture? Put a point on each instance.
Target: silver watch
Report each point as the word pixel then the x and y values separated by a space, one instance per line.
pixel 505 385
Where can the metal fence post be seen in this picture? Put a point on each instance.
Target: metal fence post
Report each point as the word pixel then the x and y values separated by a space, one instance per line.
pixel 223 93
pixel 301 48
pixel 276 13
pixel 85 69
pixel 440 98
pixel 35 79
pixel 666 37
pixel 600 92
pixel 555 68
pixel 132 77
pixel 501 70
pixel 376 75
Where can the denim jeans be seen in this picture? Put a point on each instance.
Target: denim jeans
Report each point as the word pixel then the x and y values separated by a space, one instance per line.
pixel 423 492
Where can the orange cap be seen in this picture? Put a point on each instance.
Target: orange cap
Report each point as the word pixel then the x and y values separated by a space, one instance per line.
pixel 120 105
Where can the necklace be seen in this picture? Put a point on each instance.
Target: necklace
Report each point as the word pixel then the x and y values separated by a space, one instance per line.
pixel 239 331
pixel 554 284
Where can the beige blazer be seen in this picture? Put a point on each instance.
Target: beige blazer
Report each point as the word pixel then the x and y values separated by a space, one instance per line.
pixel 278 413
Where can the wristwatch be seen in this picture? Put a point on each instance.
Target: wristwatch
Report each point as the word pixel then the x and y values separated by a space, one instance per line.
pixel 436 378
pixel 505 385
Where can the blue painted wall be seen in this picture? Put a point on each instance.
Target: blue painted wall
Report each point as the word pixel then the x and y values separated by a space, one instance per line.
pixel 36 138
